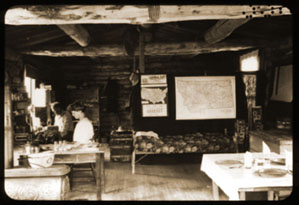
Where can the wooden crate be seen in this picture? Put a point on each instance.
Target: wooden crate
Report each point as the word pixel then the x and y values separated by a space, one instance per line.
pixel 121 141
pixel 120 150
pixel 121 146
pixel 122 134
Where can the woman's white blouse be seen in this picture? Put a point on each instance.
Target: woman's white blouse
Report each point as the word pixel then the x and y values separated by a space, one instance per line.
pixel 83 131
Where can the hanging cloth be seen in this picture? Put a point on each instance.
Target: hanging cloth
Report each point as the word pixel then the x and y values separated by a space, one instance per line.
pixel 134 77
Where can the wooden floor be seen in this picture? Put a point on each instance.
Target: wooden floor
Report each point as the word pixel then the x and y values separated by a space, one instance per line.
pixel 150 182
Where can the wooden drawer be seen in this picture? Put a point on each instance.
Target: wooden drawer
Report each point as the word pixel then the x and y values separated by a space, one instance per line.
pixel 73 159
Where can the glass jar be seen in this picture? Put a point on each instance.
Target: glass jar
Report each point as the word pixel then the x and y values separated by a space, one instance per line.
pixel 248 160
pixel 27 148
pixel 55 147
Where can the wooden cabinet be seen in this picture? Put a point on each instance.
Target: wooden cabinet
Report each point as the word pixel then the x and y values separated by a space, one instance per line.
pixel 277 140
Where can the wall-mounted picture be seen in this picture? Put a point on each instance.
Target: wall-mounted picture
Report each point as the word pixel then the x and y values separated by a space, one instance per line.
pixel 154 95
pixel 205 97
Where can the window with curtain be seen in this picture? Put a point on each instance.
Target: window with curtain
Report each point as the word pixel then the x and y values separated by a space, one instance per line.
pixel 250 62
pixel 30 86
pixel 37 95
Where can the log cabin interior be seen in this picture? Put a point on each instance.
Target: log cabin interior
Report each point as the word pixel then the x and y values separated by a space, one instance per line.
pixel 164 85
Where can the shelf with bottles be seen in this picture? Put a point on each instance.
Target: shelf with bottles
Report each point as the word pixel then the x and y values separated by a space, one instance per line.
pixel 21 138
pixel 21 129
pixel 19 96
pixel 19 112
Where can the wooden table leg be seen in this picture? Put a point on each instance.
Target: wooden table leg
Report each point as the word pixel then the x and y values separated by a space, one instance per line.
pixel 242 195
pixel 102 172
pixel 92 166
pixel 71 176
pixel 98 176
pixel 215 191
pixel 270 195
pixel 133 162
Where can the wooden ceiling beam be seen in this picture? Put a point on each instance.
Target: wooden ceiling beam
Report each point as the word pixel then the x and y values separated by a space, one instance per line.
pixel 151 49
pixel 41 38
pixel 77 32
pixel 222 29
pixel 133 14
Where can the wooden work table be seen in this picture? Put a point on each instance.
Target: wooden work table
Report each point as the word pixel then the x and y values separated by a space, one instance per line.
pixel 277 140
pixel 93 156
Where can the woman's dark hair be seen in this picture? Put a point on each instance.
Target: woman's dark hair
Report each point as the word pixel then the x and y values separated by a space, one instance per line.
pixel 78 107
pixel 58 108
pixel 57 105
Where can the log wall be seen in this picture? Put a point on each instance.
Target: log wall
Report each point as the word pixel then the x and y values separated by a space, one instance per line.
pixel 127 97
pixel 98 76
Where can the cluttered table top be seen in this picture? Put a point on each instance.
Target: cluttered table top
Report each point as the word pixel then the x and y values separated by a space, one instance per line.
pixel 73 148
pixel 229 173
pixel 66 148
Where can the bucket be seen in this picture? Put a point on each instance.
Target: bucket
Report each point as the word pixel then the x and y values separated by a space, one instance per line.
pixel 23 161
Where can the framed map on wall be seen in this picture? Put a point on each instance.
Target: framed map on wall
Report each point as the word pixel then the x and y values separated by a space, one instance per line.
pixel 205 97
pixel 154 95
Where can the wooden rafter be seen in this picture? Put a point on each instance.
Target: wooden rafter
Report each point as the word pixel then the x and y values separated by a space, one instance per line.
pixel 41 38
pixel 77 32
pixel 130 14
pixel 222 29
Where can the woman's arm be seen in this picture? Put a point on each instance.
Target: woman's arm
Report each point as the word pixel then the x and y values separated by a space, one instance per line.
pixel 90 131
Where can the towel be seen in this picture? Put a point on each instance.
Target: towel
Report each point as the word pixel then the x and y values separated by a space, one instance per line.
pixel 289 160
pixel 149 133
pixel 266 149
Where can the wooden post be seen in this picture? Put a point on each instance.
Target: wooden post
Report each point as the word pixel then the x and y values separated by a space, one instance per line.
pixel 267 64
pixel 249 115
pixel 141 52
pixel 8 129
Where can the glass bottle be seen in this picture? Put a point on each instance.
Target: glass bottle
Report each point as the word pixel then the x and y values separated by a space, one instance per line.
pixel 27 148
pixel 247 160
pixel 55 148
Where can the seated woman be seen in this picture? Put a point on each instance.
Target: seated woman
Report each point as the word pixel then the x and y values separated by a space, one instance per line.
pixel 83 132
pixel 63 120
